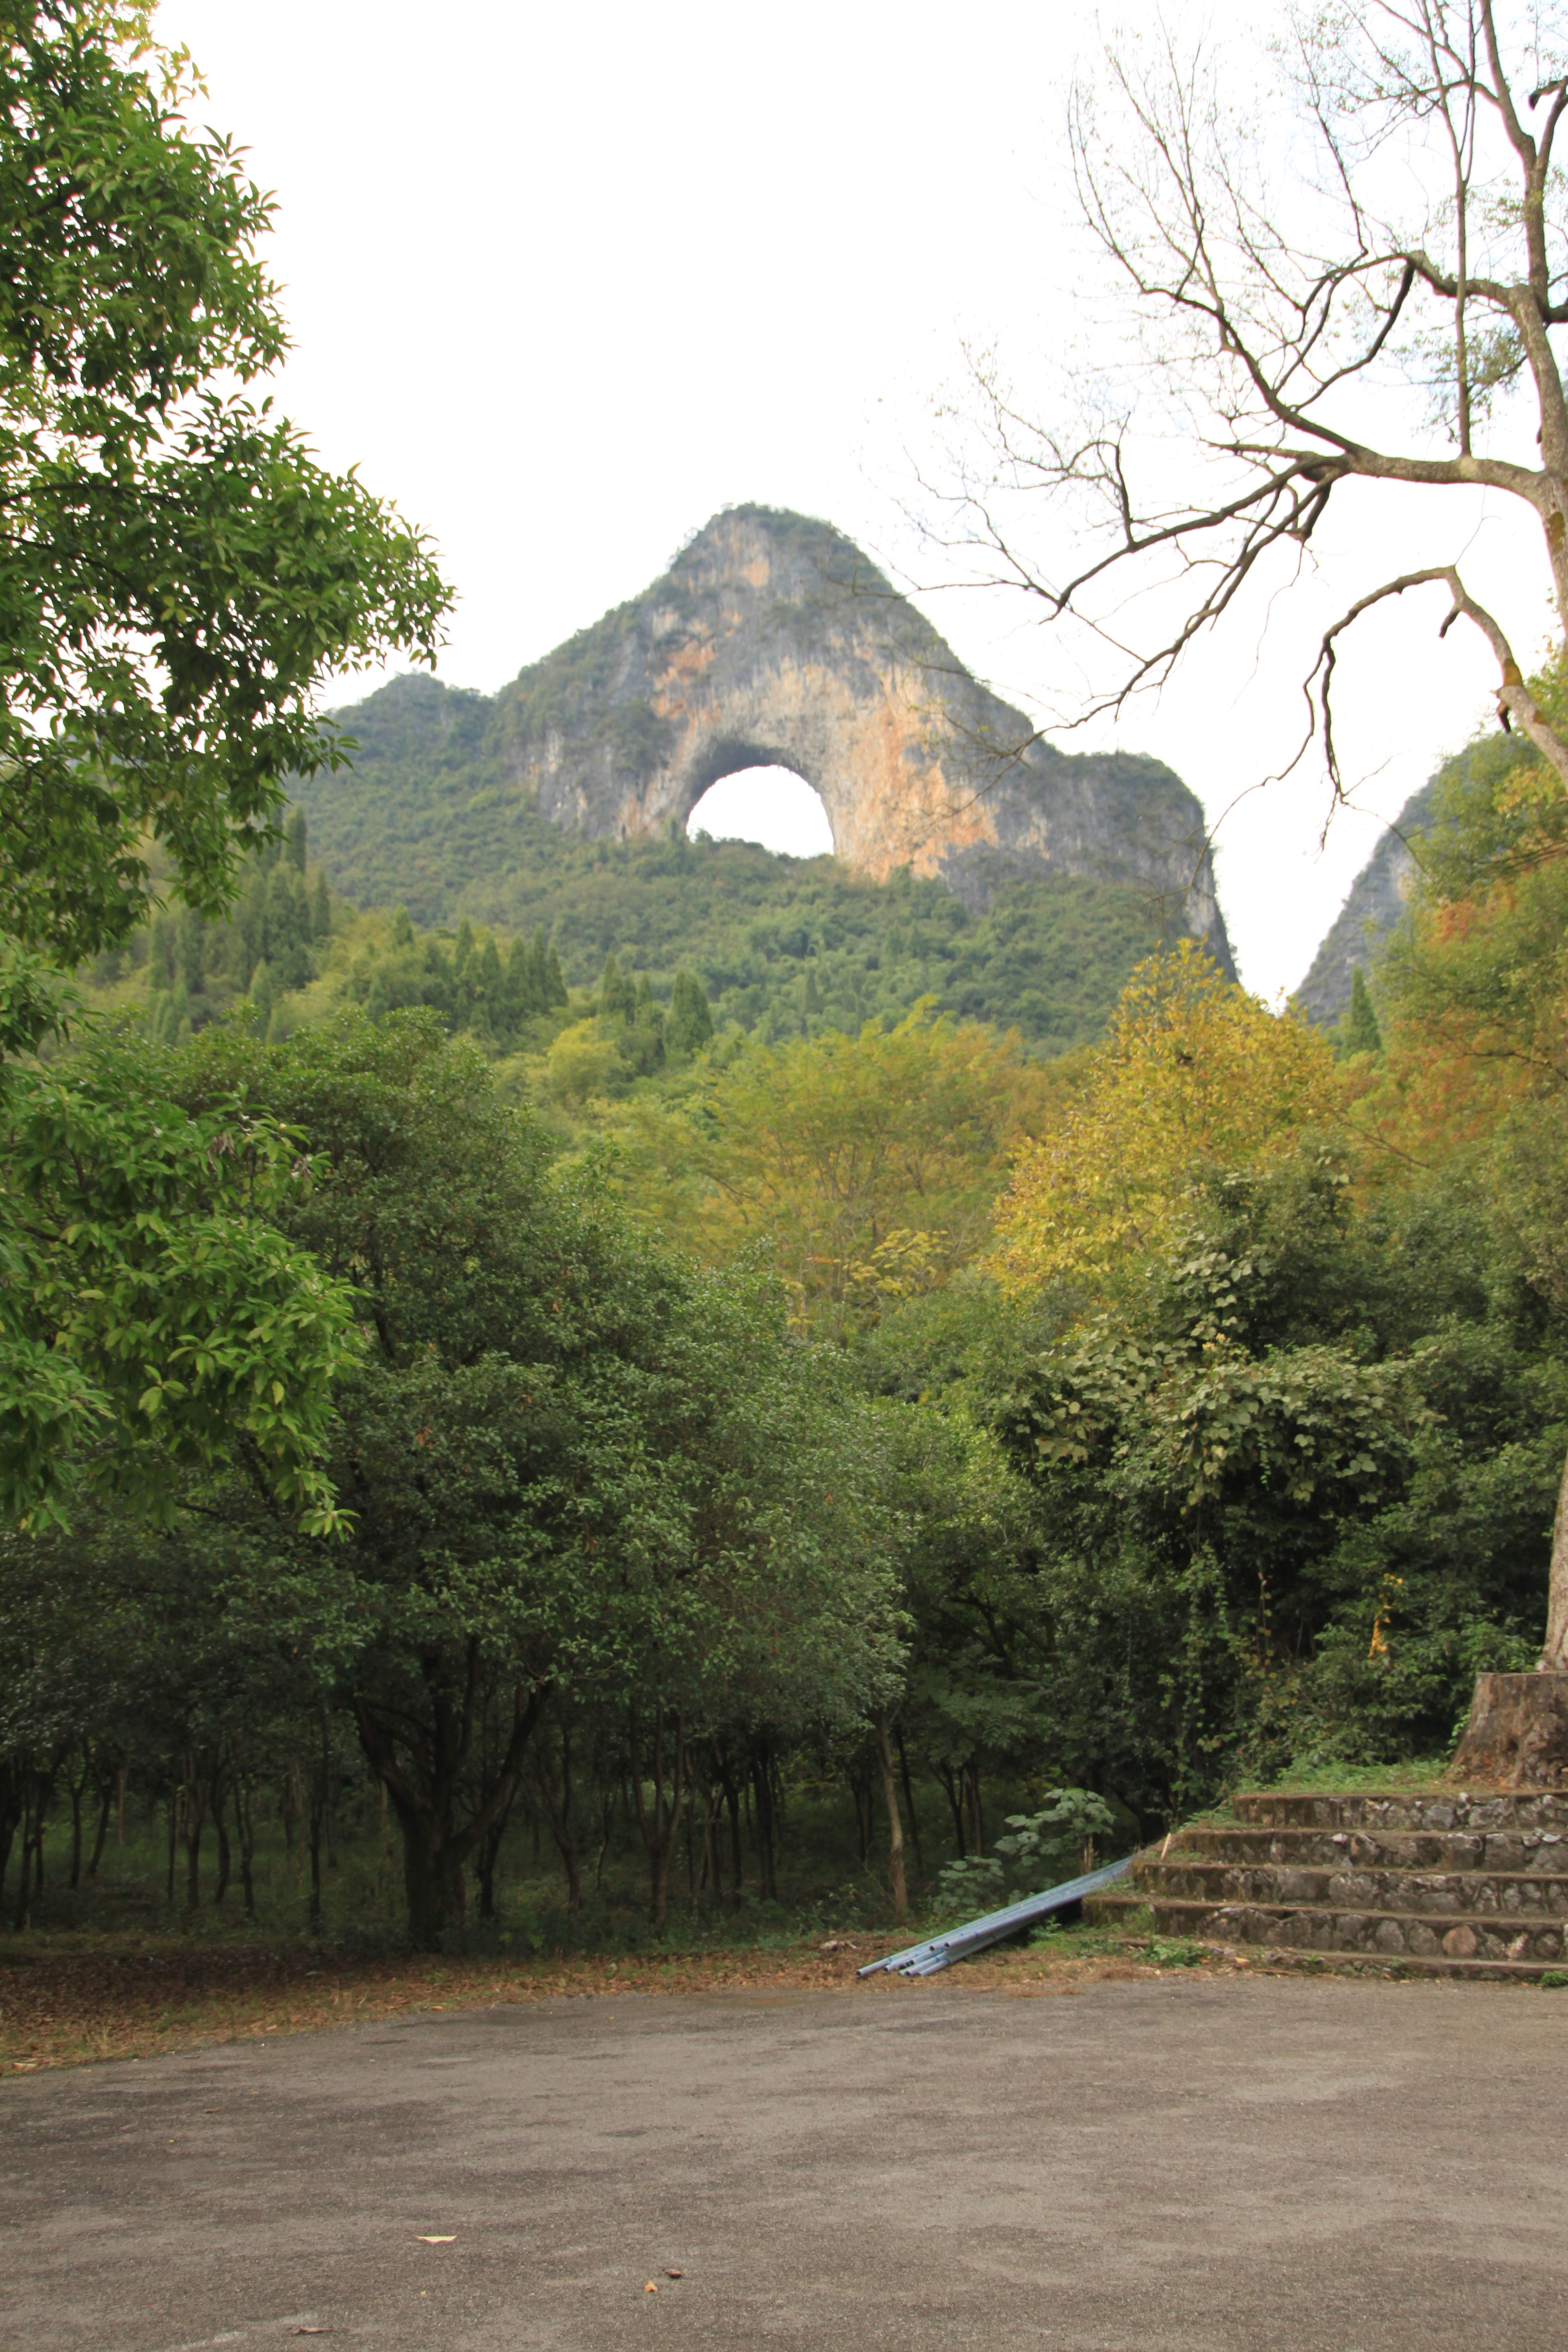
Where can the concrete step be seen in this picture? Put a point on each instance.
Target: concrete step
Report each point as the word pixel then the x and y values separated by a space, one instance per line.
pixel 1371 1934
pixel 1527 1895
pixel 1510 1810
pixel 1509 1850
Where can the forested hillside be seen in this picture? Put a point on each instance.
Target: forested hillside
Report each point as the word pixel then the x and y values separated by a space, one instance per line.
pixel 424 819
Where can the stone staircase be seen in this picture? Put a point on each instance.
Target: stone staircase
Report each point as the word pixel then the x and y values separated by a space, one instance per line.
pixel 1431 1881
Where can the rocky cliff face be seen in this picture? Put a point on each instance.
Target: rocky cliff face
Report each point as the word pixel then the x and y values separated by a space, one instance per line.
pixel 772 641
pixel 1373 905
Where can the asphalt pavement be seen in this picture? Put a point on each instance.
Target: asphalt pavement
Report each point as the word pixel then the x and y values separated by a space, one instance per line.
pixel 1181 2164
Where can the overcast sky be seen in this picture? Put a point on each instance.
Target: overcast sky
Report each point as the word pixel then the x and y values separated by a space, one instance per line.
pixel 564 281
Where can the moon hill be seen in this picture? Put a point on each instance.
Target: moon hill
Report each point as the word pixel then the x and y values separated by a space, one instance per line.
pixel 974 861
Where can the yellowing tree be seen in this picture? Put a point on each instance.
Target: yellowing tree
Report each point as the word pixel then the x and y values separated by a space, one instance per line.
pixel 1195 1075
pixel 872 1161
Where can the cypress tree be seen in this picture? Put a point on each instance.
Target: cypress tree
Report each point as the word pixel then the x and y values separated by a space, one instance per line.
pixel 526 986
pixel 294 836
pixel 1359 1032
pixel 617 997
pixel 554 980
pixel 490 1011
pixel 322 910
pixel 690 1024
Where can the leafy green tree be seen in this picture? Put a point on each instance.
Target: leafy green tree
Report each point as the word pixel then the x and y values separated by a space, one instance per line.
pixel 181 573
pixel 1358 1030
pixel 1292 1495
pixel 617 997
pixel 572 1464
pixel 690 1024
pixel 153 1314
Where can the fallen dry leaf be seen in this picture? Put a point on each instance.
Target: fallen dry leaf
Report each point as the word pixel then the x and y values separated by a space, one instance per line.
pixel 674 2274
pixel 440 2242
pixel 651 2287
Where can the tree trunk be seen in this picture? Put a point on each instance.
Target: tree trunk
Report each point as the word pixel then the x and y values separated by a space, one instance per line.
pixel 909 1802
pixel 11 1814
pixel 78 1791
pixel 105 1807
pixel 245 1830
pixel 1517 1734
pixel 976 1814
pixel 432 1886
pixel 737 1842
pixel 1554 1655
pixel 321 1811
pixel 1517 1737
pixel 555 1788
pixel 763 1788
pixel 422 1765
pixel 661 1826
pixel 488 1855
pixel 193 1809
pixel 951 1785
pixel 896 1884
pixel 219 1800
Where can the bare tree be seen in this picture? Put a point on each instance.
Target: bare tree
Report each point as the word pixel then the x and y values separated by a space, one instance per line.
pixel 1267 290
pixel 1281 300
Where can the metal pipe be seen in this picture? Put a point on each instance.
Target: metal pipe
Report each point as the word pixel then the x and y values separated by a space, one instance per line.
pixel 958 1943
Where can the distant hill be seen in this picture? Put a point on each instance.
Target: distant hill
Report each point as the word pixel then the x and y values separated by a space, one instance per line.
pixel 783 946
pixel 975 863
pixel 1374 904
pixel 773 639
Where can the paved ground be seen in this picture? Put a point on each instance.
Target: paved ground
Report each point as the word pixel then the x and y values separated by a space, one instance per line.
pixel 1178 2166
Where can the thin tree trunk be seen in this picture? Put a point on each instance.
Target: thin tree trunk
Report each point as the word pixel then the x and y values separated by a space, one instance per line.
pixel 1554 1655
pixel 763 1791
pixel 219 1809
pixel 245 1830
pixel 77 1790
pixel 976 1817
pixel 737 1844
pixel 909 1802
pixel 950 1783
pixel 660 1827
pixel 105 1807
pixel 195 1808
pixel 320 1786
pixel 896 1884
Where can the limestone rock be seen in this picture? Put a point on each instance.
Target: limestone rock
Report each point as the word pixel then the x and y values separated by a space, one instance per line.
pixel 772 641
pixel 1373 905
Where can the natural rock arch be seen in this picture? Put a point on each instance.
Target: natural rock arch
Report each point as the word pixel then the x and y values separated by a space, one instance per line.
pixel 773 642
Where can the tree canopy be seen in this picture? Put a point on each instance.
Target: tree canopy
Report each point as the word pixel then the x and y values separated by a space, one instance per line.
pixel 180 573
pixel 1196 1076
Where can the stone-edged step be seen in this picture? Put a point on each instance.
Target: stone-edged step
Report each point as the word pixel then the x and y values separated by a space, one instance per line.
pixel 1524 1895
pixel 1439 1881
pixel 1501 1850
pixel 1405 1808
pixel 1374 1934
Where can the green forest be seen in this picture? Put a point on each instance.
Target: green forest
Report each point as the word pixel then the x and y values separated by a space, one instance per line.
pixel 567 1396
pixel 782 945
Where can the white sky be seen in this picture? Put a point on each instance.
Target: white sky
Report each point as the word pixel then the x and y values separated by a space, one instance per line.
pixel 564 281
